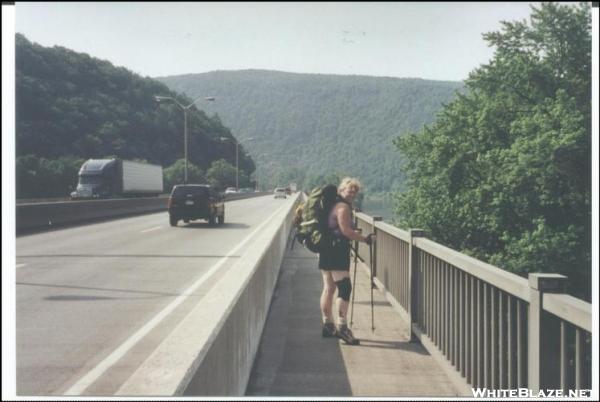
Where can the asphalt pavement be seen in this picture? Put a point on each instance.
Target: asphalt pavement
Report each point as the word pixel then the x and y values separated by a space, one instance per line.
pixel 93 301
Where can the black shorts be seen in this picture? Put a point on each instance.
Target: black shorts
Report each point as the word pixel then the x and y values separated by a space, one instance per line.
pixel 336 258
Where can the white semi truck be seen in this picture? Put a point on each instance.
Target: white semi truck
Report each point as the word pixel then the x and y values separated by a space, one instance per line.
pixel 104 178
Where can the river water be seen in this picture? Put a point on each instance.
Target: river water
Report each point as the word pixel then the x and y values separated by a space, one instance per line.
pixel 379 206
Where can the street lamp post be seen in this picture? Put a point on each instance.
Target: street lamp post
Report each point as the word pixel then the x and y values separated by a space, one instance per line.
pixel 237 160
pixel 185 129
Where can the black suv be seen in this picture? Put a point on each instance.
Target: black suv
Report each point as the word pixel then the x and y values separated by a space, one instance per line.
pixel 195 201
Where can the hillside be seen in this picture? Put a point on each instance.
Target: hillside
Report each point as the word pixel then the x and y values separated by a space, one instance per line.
pixel 311 124
pixel 71 106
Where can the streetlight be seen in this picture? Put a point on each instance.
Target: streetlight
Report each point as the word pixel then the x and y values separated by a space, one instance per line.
pixel 237 161
pixel 185 130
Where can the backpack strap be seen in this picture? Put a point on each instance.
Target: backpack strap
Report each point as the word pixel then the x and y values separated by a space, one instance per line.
pixel 338 198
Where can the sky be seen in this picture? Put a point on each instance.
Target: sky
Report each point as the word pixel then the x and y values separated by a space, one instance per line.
pixel 438 41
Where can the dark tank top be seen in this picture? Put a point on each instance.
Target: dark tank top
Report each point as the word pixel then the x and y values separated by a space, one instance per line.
pixel 336 257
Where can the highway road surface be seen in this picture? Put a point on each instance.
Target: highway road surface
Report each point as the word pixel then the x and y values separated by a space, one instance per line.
pixel 93 301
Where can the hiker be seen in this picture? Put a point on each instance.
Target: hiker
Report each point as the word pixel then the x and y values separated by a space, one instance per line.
pixel 334 262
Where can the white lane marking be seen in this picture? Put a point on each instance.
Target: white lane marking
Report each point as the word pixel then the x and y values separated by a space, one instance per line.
pixel 96 372
pixel 150 230
pixel 20 265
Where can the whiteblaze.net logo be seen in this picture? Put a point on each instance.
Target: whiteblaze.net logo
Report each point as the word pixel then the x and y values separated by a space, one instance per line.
pixel 528 393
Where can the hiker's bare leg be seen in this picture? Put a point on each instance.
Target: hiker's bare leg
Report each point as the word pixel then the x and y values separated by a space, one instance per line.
pixel 327 296
pixel 341 304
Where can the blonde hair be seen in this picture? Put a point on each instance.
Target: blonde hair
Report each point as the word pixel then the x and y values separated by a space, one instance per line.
pixel 349 182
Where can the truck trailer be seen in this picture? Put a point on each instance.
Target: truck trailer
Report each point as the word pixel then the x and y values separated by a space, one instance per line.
pixel 104 178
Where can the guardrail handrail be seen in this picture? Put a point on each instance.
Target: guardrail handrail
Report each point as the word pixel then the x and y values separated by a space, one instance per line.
pixel 487 327
pixel 511 283
pixel 570 309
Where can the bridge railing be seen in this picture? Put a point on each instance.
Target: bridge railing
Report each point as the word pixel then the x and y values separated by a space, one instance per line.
pixel 488 328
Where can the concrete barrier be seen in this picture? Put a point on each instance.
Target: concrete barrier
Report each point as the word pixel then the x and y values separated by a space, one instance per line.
pixel 211 352
pixel 41 215
pixel 241 196
pixel 47 215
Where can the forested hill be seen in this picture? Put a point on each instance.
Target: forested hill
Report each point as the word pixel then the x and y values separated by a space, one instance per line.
pixel 311 124
pixel 71 106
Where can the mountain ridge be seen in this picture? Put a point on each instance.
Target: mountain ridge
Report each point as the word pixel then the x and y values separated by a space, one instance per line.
pixel 313 125
pixel 263 70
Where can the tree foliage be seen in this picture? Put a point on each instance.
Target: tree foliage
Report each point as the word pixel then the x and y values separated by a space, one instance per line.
pixel 175 174
pixel 48 177
pixel 322 180
pixel 316 124
pixel 504 172
pixel 69 104
pixel 221 174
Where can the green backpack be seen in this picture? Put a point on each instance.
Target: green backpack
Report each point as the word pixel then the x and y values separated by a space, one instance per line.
pixel 312 230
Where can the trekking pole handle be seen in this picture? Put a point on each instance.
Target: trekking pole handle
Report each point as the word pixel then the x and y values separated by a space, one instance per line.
pixel 370 239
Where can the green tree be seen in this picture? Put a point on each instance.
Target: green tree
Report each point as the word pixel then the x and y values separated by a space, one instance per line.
pixel 292 174
pixel 321 180
pixel 40 177
pixel 503 174
pixel 221 174
pixel 244 180
pixel 175 174
pixel 26 171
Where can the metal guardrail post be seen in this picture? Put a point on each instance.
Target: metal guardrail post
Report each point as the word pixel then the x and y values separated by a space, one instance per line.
pixel 413 264
pixel 538 335
pixel 375 220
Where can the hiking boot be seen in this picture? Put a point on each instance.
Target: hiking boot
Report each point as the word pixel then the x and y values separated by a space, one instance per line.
pixel 344 333
pixel 329 330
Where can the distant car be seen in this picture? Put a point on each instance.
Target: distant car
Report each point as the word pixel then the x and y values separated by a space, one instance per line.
pixel 195 201
pixel 230 190
pixel 280 192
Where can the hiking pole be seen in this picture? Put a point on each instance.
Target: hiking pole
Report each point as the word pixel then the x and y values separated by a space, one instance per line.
pixel 371 264
pixel 354 281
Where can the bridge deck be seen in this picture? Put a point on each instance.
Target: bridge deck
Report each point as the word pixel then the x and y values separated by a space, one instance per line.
pixel 294 360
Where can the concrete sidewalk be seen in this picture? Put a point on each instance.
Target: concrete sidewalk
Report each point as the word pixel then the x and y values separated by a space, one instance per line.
pixel 294 360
